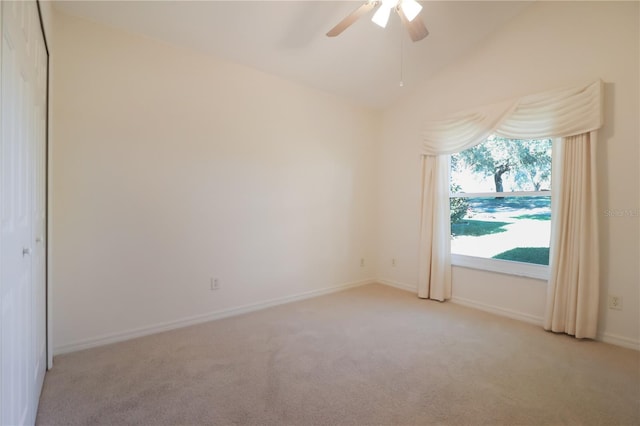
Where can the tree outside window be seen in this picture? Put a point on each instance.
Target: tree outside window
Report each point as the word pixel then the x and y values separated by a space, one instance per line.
pixel 500 200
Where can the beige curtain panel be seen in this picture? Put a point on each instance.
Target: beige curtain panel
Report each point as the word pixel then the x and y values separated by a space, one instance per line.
pixel 572 297
pixel 570 116
pixel 435 243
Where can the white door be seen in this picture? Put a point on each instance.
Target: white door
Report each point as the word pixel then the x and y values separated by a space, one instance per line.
pixel 23 64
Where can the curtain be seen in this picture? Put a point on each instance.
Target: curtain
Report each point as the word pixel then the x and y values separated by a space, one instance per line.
pixel 435 243
pixel 441 138
pixel 561 113
pixel 573 291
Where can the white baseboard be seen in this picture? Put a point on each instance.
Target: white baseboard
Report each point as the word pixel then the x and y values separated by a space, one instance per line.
pixel 532 319
pixel 509 313
pixel 106 339
pixel 396 284
pixel 613 339
pixel 225 313
pixel 625 342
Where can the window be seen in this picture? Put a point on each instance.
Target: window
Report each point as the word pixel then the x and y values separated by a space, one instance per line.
pixel 501 206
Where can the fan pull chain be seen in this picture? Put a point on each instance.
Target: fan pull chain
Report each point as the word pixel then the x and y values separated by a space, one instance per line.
pixel 401 60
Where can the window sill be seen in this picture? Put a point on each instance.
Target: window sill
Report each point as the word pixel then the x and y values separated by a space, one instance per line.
pixel 529 270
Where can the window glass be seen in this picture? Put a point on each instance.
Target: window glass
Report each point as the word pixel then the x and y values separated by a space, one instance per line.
pixel 500 200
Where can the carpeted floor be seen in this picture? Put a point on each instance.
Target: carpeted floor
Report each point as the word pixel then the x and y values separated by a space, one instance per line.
pixel 372 355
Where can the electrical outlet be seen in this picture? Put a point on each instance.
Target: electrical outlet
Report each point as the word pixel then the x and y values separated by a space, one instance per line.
pixel 393 262
pixel 615 302
pixel 215 284
pixel 362 262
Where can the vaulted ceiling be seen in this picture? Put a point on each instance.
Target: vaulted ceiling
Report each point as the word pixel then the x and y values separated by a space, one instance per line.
pixel 287 38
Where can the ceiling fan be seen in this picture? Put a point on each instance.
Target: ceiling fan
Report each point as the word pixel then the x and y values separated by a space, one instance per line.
pixel 408 11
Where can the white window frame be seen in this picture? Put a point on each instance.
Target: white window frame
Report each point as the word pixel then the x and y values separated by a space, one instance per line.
pixel 509 267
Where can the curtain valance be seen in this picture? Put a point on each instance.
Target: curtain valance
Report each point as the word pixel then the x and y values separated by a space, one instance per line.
pixel 557 113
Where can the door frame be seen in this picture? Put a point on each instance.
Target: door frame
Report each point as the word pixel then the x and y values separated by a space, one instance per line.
pixel 48 298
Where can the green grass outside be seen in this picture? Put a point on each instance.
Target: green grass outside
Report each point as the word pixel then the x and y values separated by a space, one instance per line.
pixel 477 228
pixel 513 205
pixel 537 255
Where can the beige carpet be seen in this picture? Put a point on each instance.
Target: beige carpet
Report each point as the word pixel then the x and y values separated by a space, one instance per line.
pixel 368 356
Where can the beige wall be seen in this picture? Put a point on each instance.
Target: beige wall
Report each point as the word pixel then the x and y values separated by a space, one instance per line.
pixel 550 45
pixel 171 167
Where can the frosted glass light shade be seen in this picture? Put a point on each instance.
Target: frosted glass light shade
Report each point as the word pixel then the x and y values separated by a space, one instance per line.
pixel 381 17
pixel 410 8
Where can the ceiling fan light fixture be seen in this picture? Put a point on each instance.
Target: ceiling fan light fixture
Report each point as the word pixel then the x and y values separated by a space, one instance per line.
pixel 407 10
pixel 410 8
pixel 381 17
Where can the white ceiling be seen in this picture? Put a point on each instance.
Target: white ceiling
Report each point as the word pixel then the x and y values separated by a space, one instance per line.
pixel 287 38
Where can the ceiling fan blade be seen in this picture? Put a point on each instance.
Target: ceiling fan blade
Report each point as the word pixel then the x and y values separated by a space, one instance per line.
pixel 417 30
pixel 351 18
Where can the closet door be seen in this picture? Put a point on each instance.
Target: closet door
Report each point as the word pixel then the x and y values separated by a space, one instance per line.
pixel 23 65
